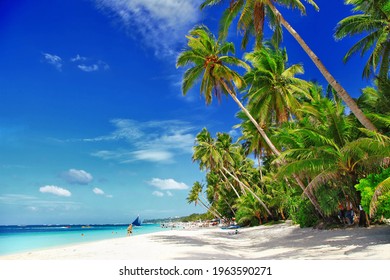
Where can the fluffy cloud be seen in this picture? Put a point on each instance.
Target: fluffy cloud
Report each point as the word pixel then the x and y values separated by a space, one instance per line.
pixel 160 25
pixel 78 58
pixel 86 64
pixel 55 190
pixel 54 60
pixel 153 141
pixel 98 191
pixel 74 176
pixel 169 193
pixel 167 184
pixel 151 155
pixel 88 68
pixel 157 193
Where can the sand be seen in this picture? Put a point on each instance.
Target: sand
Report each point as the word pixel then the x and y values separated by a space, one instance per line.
pixel 276 242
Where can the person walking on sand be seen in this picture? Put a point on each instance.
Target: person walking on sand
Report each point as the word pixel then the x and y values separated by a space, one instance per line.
pixel 341 213
pixel 129 230
pixel 349 214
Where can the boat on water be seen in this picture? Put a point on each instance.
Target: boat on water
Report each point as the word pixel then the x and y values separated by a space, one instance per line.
pixel 136 222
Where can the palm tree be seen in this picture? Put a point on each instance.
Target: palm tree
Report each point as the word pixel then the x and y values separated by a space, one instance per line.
pixel 249 211
pixel 209 59
pixel 211 157
pixel 380 189
pixel 194 197
pixel 375 102
pixel 322 148
pixel 274 92
pixel 250 8
pixel 373 22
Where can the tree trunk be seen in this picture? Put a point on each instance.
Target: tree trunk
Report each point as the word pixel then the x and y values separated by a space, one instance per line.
pixel 261 131
pixel 249 189
pixel 209 209
pixel 271 145
pixel 309 195
pixel 329 78
pixel 231 185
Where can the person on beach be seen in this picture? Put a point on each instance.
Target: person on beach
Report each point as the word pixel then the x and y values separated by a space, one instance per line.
pixel 363 219
pixel 341 214
pixel 129 230
pixel 349 214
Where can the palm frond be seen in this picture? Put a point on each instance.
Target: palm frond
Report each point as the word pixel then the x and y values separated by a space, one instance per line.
pixel 209 3
pixel 190 77
pixel 383 187
pixel 227 18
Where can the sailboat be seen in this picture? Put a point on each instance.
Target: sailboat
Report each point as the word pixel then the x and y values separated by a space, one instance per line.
pixel 136 222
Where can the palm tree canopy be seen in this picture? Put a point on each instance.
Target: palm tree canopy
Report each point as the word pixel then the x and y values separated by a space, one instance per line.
pixel 209 60
pixel 275 92
pixel 373 22
pixel 196 190
pixel 252 15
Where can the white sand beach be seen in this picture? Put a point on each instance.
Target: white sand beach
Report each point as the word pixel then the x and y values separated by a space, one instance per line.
pixel 275 242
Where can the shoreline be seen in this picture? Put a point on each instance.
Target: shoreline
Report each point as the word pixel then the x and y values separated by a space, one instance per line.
pixel 274 242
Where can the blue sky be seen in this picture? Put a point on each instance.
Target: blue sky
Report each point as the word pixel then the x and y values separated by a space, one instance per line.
pixel 93 126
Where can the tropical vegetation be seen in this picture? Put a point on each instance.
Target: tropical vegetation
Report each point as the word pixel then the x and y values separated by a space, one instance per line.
pixel 301 152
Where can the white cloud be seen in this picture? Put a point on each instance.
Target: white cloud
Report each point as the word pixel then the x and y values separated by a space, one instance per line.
pixel 169 193
pixel 87 64
pixel 125 129
pixel 78 58
pixel 153 141
pixel 98 191
pixel 167 184
pixel 54 60
pixel 55 190
pixel 160 25
pixel 88 68
pixel 152 155
pixel 157 193
pixel 15 198
pixel 74 176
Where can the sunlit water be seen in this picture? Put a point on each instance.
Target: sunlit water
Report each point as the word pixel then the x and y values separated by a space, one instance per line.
pixel 17 239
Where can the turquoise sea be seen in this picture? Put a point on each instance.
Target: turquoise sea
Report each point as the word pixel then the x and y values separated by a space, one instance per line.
pixel 18 239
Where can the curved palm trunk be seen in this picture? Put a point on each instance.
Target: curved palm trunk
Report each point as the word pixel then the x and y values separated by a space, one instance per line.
pixel 231 208
pixel 272 147
pixel 261 131
pixel 329 78
pixel 230 184
pixel 249 189
pixel 209 209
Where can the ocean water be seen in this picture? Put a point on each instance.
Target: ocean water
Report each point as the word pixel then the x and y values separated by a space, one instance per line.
pixel 18 239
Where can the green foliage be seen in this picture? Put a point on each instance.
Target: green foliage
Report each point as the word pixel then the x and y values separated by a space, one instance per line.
pixel 249 210
pixel 328 199
pixel 196 217
pixel 305 215
pixel 367 187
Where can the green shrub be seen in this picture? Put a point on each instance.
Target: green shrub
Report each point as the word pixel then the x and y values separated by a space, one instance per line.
pixel 305 214
pixel 367 187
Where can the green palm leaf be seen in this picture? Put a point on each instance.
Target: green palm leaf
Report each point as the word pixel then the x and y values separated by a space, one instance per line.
pixel 382 188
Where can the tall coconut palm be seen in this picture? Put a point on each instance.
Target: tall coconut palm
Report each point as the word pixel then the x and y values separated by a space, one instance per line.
pixel 373 22
pixel 251 8
pixel 274 92
pixel 323 149
pixel 249 211
pixel 210 62
pixel 376 104
pixel 195 197
pixel 209 155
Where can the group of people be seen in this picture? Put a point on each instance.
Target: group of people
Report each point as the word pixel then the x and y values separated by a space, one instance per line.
pixel 347 213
